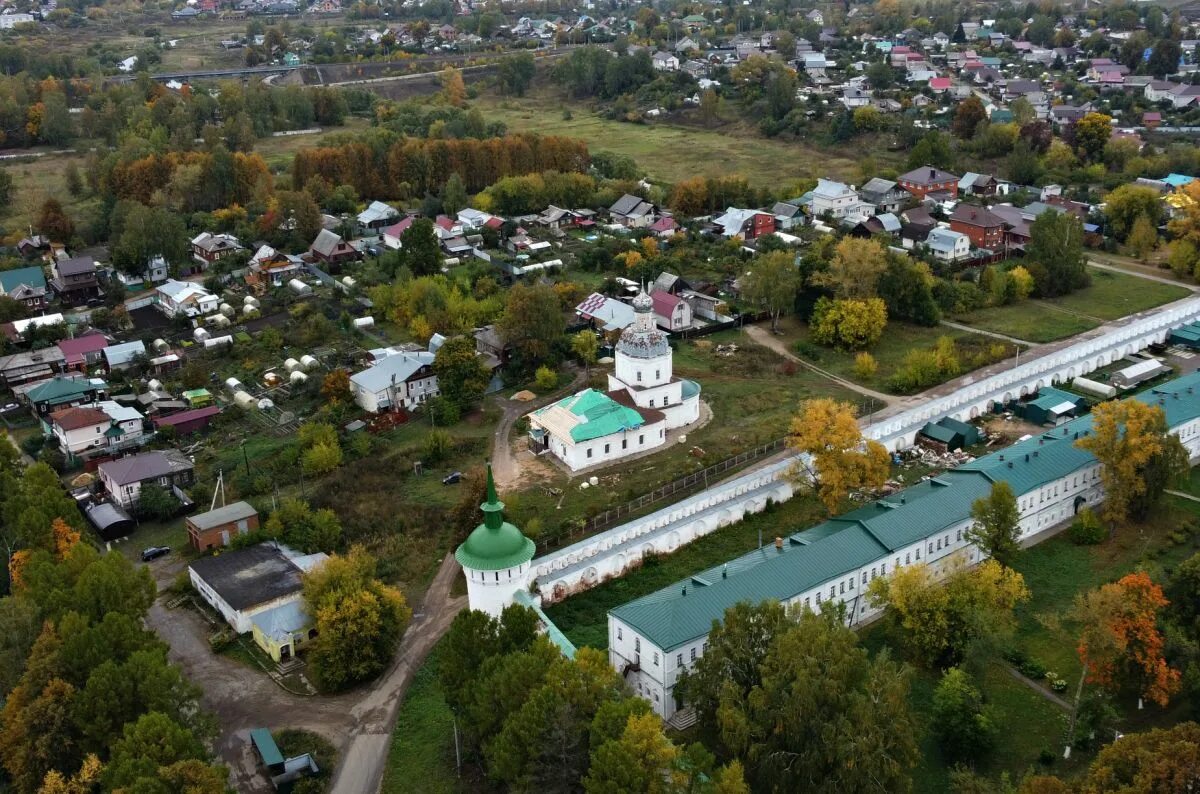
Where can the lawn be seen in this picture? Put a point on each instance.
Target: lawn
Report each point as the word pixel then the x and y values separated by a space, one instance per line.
pixel 898 340
pixel 171 533
pixel 753 395
pixel 1109 297
pixel 421 760
pixel 1056 570
pixel 672 153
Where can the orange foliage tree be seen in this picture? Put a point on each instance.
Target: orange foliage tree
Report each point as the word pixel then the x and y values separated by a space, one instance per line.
pixel 1120 642
pixel 64 538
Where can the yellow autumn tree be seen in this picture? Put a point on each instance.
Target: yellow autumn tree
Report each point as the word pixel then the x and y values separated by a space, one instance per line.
pixel 1126 437
pixel 454 90
pixel 82 782
pixel 834 456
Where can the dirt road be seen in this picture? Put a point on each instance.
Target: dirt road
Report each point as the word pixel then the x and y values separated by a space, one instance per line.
pixel 767 339
pixel 505 468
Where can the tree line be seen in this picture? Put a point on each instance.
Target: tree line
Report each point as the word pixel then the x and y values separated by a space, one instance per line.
pixel 416 166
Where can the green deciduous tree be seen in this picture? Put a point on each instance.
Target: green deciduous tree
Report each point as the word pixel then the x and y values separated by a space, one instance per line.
pixel 966 728
pixel 824 715
pixel 515 73
pixel 772 284
pixel 1055 252
pixel 297 524
pixel 419 250
pixel 532 323
pixel 359 619
pixel 997 529
pixel 1127 203
pixel 462 375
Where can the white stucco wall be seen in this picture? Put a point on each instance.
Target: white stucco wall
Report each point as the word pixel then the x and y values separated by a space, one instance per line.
pixel 900 430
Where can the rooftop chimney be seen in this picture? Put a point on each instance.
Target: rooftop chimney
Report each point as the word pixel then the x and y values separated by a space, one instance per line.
pixel 725 571
pixel 1010 464
pixel 685 589
pixel 932 173
pixel 778 543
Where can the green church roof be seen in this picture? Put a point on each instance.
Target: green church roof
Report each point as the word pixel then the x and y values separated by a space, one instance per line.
pixel 495 544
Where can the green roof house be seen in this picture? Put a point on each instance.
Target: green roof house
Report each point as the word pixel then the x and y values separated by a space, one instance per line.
pixel 1052 406
pixel 495 557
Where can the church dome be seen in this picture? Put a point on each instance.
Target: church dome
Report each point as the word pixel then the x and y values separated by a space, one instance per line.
pixel 643 302
pixel 495 544
pixel 643 339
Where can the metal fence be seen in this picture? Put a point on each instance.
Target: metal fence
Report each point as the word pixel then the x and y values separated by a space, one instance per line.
pixel 699 479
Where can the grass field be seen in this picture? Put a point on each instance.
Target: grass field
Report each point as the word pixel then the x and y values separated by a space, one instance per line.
pixel 1109 297
pixel 671 153
pixel 889 351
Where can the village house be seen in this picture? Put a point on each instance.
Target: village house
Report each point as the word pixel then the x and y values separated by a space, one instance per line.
pixel 217 528
pixel 632 212
pixel 74 279
pixel 376 217
pixel 25 285
pixel 925 180
pixel 671 312
pixel 745 223
pixel 102 428
pixel 401 380
pixel 123 478
pixel 947 245
pixel 208 248
pixel 330 249
pixel 270 269
pixel 984 228
pixel 884 195
pixel 30 365
pixel 63 391
pixel 837 201
pixel 83 352
pixel 124 355
pixel 184 298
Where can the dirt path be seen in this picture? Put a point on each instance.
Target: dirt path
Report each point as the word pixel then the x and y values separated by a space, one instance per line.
pixel 363 753
pixel 992 334
pixel 1041 690
pixel 764 337
pixel 1141 271
pixel 505 467
pixel 242 698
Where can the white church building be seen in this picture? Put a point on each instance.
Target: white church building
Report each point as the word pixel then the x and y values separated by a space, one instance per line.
pixel 644 400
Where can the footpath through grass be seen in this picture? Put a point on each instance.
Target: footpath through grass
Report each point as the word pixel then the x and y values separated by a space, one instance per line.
pixel 899 339
pixel 1109 297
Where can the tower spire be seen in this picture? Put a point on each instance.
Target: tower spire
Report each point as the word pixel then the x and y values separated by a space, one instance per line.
pixel 493 508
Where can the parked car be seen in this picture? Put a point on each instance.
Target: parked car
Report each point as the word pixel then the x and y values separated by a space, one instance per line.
pixel 154 552
pixel 453 478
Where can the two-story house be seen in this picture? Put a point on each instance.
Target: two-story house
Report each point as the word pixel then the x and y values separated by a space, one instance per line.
pixel 671 312
pixel 269 269
pixel 884 195
pixel 984 228
pixel 947 245
pixel 925 180
pixel 838 201
pixel 74 279
pixel 376 217
pixel 329 249
pixel 175 298
pixel 64 391
pixel 83 352
pixel 104 427
pixel 632 212
pixel 749 224
pixel 402 380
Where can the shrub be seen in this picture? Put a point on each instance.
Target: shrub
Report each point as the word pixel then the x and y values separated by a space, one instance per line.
pixel 865 366
pixel 1031 668
pixel 437 446
pixel 545 378
pixel 445 412
pixel 1087 529
pixel 807 350
pixel 1047 757
pixel 33 445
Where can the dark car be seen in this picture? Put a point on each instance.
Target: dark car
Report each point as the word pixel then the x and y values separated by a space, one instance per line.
pixel 154 552
pixel 454 478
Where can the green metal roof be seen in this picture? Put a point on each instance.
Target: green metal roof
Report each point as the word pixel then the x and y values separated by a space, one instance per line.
pixel 11 279
pixel 670 617
pixel 266 746
pixel 58 388
pixel 495 544
pixel 553 632
pixel 599 415
pixel 193 394
pixel 970 433
pixel 1049 397
pixel 940 433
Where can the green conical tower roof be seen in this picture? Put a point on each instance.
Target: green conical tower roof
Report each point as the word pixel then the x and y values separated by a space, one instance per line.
pixel 495 544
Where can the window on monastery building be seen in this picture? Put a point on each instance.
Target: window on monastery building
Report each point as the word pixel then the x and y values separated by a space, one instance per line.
pixel 637 643
pixel 652 402
pixel 606 449
pixel 589 452
pixel 679 660
pixel 693 654
pixel 864 577
pixel 639 376
pixel 656 658
pixel 624 443
pixel 907 558
pixel 619 637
